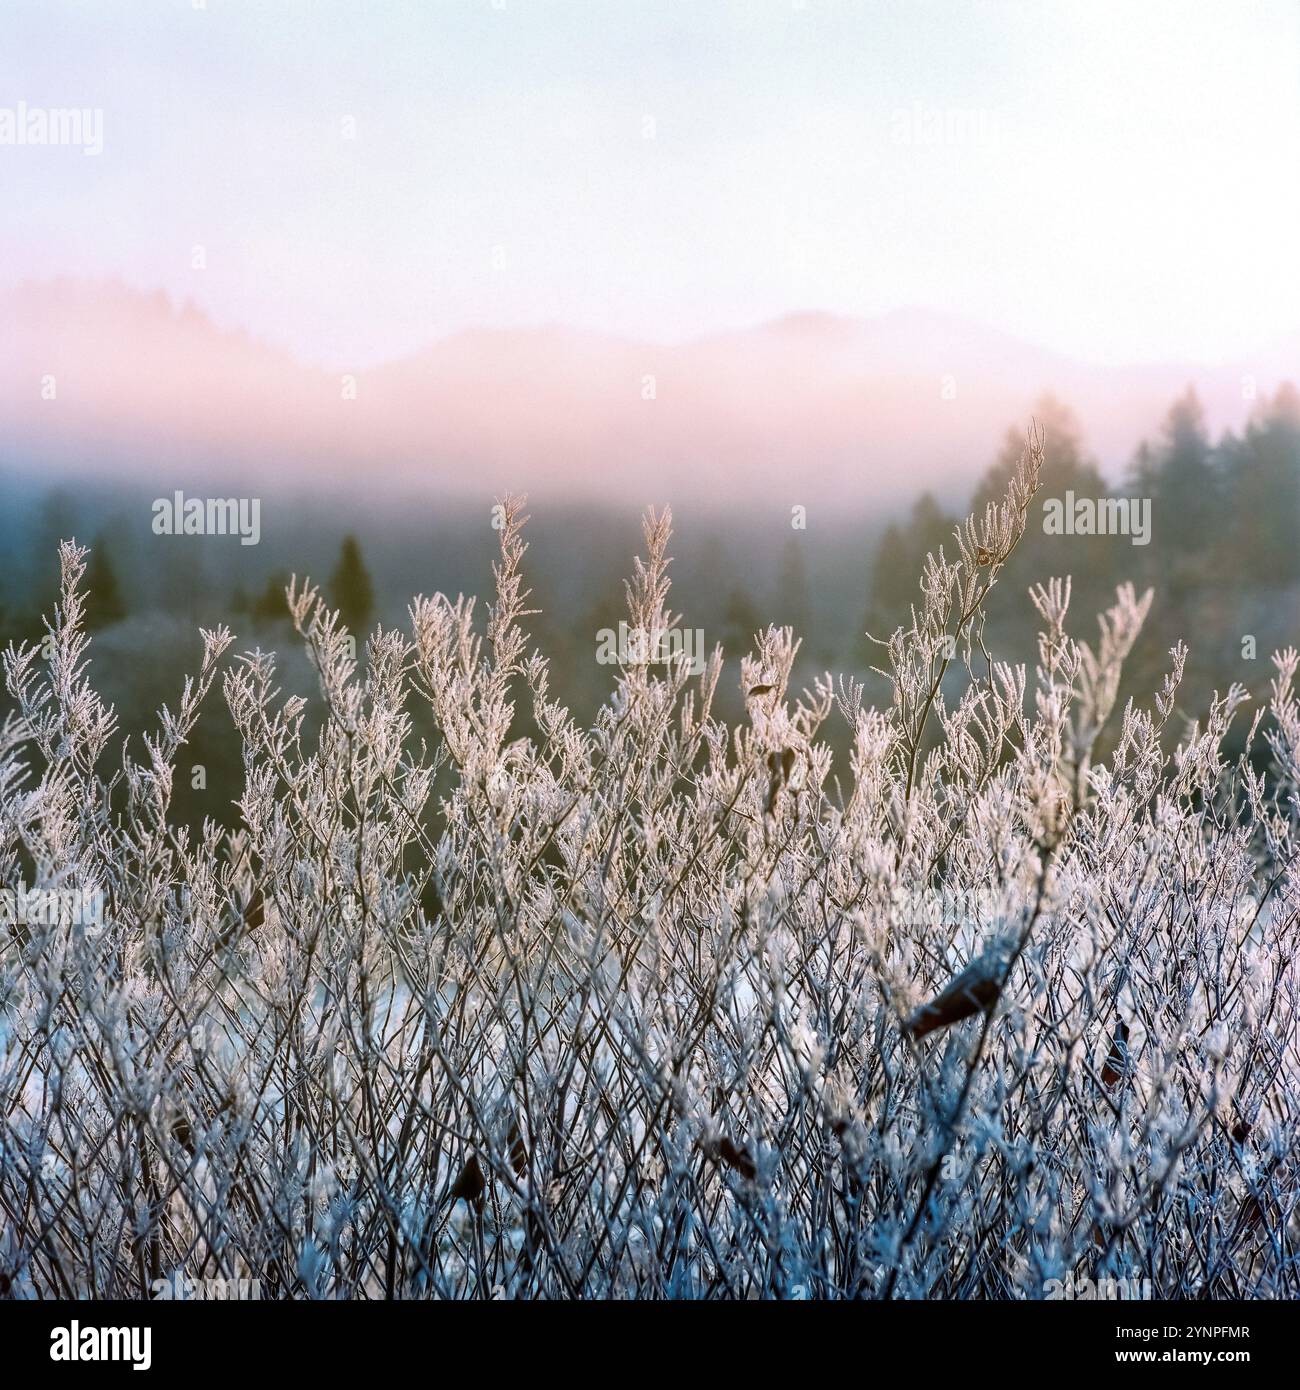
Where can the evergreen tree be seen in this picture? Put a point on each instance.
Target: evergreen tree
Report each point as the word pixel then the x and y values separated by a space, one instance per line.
pixel 1067 469
pixel 931 529
pixel 1142 473
pixel 104 604
pixel 271 606
pixel 1262 478
pixel 1186 483
pixel 180 577
pixel 900 558
pixel 792 600
pixel 1066 465
pixel 893 581
pixel 58 522
pixel 350 589
pixel 741 621
pixel 1180 475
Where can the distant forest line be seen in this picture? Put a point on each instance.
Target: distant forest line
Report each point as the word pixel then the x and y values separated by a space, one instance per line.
pixel 1223 558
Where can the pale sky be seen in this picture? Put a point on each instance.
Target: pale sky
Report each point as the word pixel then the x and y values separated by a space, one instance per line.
pixel 1116 181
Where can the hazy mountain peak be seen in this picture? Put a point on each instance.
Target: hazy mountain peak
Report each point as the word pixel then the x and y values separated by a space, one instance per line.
pixel 806 406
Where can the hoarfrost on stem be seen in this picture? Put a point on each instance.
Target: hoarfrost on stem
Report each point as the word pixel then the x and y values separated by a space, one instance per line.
pixel 655 1007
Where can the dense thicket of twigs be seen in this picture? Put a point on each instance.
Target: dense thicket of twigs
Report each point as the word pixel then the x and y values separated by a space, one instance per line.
pixel 658 1008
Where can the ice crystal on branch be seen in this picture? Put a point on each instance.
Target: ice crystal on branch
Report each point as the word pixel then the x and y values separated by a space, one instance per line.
pixel 659 1007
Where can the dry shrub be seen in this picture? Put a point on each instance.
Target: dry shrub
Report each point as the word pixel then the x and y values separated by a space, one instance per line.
pixel 655 1008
